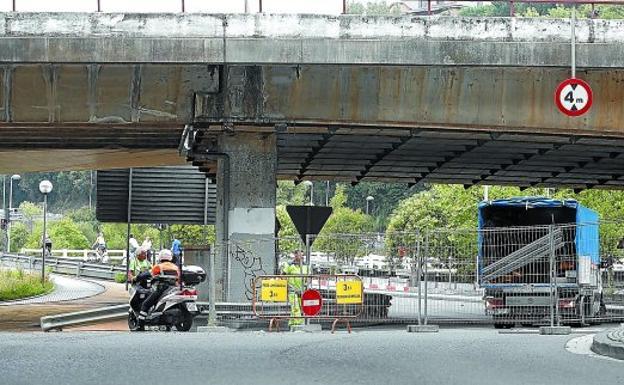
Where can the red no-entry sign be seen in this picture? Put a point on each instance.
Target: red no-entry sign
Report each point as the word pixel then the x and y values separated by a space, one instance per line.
pixel 573 97
pixel 311 302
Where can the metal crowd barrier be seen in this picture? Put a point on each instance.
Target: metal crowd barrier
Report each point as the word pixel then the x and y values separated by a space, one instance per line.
pixel 338 297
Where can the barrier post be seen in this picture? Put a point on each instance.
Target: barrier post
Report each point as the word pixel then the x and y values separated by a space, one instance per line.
pixel 212 316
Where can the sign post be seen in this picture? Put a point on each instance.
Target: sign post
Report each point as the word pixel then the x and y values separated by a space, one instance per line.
pixel 573 96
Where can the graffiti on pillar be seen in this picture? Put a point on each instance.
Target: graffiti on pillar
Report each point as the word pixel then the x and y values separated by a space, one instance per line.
pixel 252 268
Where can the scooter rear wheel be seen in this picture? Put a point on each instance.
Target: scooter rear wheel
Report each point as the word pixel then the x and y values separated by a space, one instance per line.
pixel 186 323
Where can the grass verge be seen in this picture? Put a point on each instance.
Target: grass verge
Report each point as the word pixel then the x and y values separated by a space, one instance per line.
pixel 16 284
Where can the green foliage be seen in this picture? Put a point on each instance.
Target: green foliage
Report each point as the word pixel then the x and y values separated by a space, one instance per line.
pixel 290 194
pixel 16 284
pixel 71 189
pixel 30 210
pixel 344 221
pixel 191 235
pixel 482 10
pixel 609 204
pixel 531 12
pixel 82 214
pixel 19 236
pixel 65 234
pixel 440 208
pixel 545 10
pixel 372 8
pixel 289 237
pixel 120 277
pixel 115 235
pixel 386 197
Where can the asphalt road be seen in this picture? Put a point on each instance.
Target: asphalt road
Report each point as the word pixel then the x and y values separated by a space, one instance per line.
pixel 453 356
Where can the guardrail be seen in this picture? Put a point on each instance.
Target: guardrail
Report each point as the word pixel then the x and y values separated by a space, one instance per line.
pixel 110 313
pixel 70 266
pixel 57 322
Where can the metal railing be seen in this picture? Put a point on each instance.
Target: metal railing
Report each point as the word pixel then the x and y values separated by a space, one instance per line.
pixel 117 255
pixel 432 6
pixel 70 266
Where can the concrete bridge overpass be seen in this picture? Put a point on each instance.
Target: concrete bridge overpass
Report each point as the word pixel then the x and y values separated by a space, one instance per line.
pixel 252 98
pixel 113 90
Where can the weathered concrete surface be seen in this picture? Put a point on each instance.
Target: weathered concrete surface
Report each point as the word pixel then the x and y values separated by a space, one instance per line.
pixel 245 211
pixel 305 39
pixel 493 99
pixel 97 94
pixel 91 159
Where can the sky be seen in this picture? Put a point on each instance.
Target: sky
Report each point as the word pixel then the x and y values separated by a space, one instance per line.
pixel 207 6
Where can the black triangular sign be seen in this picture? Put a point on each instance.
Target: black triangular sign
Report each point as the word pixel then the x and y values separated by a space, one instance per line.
pixel 573 107
pixel 573 85
pixel 308 219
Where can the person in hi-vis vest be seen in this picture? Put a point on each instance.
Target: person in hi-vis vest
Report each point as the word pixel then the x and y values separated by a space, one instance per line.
pixel 295 286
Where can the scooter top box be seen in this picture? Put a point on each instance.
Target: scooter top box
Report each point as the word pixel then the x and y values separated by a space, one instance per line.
pixel 193 275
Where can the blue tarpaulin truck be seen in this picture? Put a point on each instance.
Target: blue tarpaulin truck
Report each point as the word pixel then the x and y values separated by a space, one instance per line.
pixel 521 242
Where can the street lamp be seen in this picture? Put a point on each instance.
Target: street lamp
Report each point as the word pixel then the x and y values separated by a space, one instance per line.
pixel 45 187
pixel 369 199
pixel 309 184
pixel 15 177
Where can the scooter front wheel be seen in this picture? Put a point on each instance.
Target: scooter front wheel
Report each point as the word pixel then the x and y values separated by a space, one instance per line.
pixel 133 323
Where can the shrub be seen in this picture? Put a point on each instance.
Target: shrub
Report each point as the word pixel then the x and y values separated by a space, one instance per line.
pixel 120 277
pixel 16 284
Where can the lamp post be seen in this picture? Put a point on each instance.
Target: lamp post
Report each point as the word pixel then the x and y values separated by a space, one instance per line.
pixel 369 199
pixel 15 177
pixel 311 185
pixel 45 187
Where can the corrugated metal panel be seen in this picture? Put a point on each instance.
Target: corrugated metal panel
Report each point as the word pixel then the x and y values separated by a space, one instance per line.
pixel 159 195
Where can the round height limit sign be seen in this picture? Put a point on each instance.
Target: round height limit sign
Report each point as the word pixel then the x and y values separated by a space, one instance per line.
pixel 573 97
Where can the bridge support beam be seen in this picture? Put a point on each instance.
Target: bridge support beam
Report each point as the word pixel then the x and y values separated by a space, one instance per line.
pixel 245 228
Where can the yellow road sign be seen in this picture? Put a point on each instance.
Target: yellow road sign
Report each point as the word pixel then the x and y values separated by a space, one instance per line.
pixel 348 292
pixel 274 290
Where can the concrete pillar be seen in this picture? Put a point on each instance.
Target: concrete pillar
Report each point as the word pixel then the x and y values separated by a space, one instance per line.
pixel 245 212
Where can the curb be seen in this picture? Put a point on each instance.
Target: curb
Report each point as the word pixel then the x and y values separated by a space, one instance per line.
pixel 606 346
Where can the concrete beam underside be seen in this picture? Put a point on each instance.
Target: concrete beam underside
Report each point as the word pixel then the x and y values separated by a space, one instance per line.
pixel 91 159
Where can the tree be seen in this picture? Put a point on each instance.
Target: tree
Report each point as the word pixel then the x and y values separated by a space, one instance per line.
pixel 288 193
pixel 65 234
pixel 19 236
pixel 342 234
pixel 190 235
pixel 71 189
pixel 372 8
pixel 30 212
pixel 289 239
pixel 444 218
pixel 386 197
